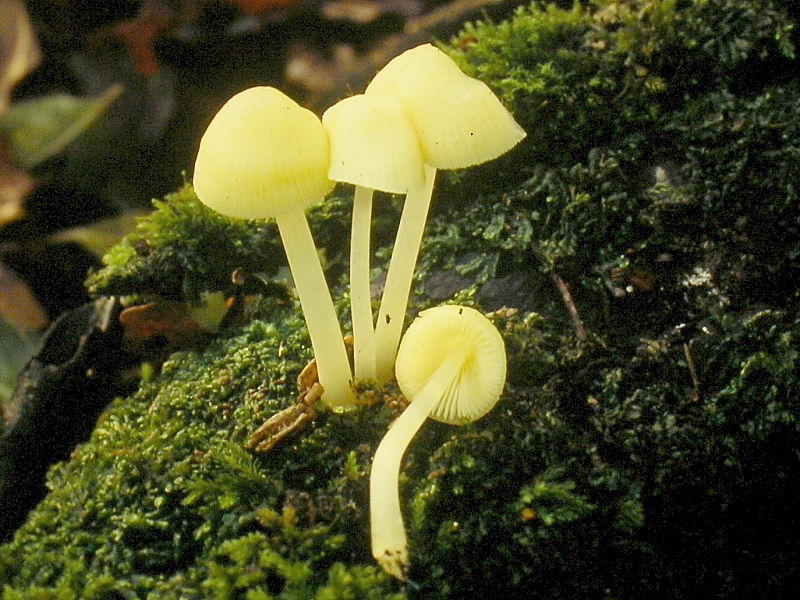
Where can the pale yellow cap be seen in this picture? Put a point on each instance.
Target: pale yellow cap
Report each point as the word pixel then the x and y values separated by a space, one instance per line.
pixel 262 155
pixel 459 120
pixel 374 144
pixel 434 334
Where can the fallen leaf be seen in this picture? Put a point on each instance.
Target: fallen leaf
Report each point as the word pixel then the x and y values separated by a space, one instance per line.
pixel 15 185
pixel 18 306
pixel 311 70
pixel 19 50
pixel 365 11
pixel 16 350
pixel 357 11
pixel 99 236
pixel 19 53
pixel 140 33
pixel 40 128
pixel 171 320
pixel 256 7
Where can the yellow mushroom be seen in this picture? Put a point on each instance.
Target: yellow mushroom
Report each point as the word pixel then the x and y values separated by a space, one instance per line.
pixel 459 122
pixel 451 365
pixel 263 156
pixel 458 119
pixel 373 146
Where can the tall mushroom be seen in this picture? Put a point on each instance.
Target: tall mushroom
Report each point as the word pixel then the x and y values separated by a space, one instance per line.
pixel 459 122
pixel 451 365
pixel 264 156
pixel 374 146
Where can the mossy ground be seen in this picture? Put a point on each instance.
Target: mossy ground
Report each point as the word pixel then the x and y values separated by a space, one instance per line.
pixel 646 445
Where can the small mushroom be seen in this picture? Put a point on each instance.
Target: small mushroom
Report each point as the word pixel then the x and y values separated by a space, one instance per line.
pixel 264 156
pixel 459 122
pixel 451 365
pixel 373 146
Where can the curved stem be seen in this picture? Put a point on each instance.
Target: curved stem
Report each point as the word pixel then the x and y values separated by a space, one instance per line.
pixel 389 542
pixel 315 300
pixel 398 278
pixel 360 297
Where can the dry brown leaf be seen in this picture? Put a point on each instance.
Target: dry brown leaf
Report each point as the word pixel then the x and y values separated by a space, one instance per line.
pixel 357 11
pixel 19 51
pixel 256 7
pixel 140 33
pixel 314 72
pixel 365 11
pixel 169 319
pixel 18 306
pixel 15 185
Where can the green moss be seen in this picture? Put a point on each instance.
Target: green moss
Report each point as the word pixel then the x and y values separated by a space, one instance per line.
pixel 583 75
pixel 183 249
pixel 552 502
pixel 655 457
pixel 164 497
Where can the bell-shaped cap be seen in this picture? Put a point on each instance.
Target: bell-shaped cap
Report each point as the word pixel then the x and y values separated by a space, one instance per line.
pixel 262 155
pixel 374 144
pixel 458 119
pixel 431 338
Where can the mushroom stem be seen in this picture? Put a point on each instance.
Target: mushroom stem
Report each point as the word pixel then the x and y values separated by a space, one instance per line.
pixel 389 543
pixel 315 300
pixel 398 278
pixel 360 297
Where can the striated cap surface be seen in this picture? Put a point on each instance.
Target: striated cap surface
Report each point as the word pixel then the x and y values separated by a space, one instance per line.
pixel 459 121
pixel 434 334
pixel 262 155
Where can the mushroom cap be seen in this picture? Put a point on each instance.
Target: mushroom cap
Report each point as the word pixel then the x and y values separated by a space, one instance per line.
pixel 373 144
pixel 262 155
pixel 458 119
pixel 434 334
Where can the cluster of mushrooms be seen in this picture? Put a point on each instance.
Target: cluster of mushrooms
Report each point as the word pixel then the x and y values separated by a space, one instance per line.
pixel 263 156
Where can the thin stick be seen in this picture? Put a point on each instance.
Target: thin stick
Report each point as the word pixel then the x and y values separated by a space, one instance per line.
pixel 580 332
pixel 566 295
pixel 692 372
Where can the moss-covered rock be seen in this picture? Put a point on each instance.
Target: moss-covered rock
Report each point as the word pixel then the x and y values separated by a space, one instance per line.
pixel 639 253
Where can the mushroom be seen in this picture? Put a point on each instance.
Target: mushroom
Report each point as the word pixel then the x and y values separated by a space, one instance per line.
pixel 451 365
pixel 459 122
pixel 263 156
pixel 373 146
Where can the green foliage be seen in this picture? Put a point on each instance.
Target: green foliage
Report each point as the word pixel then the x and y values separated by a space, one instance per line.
pixel 589 74
pixel 552 502
pixel 40 128
pixel 249 568
pixel 690 193
pixel 163 498
pixel 184 248
pixel 15 351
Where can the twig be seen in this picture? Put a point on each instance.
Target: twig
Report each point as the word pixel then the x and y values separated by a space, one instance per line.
pixel 692 372
pixel 580 332
pixel 566 295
